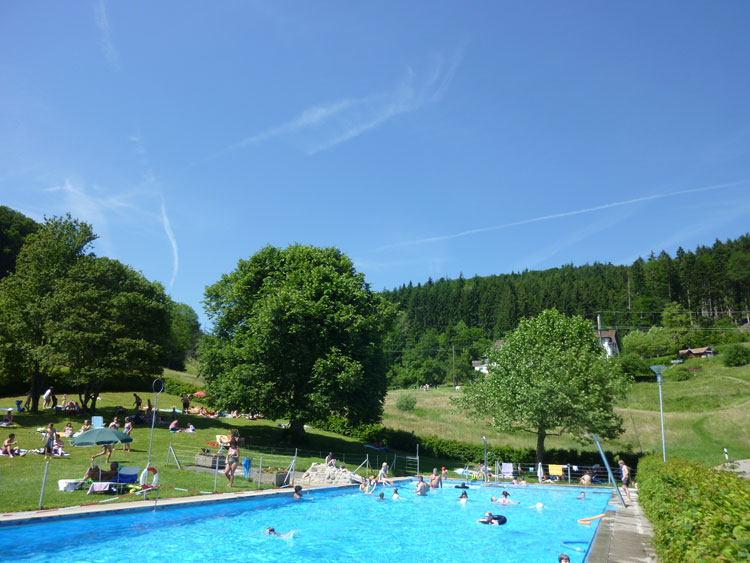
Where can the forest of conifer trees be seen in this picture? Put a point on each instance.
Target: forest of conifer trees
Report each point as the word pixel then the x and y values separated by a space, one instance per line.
pixel 448 323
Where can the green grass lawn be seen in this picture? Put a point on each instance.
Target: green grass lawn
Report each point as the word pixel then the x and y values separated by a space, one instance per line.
pixel 702 416
pixel 21 477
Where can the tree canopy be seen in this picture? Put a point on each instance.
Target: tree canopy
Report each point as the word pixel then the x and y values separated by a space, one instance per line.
pixel 297 334
pixel 66 313
pixel 550 376
pixel 14 228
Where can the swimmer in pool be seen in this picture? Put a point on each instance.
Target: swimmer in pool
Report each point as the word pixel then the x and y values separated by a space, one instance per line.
pixel 381 497
pixel 271 532
pixel 492 519
pixel 505 499
pixel 464 498
pixel 395 494
pixel 581 496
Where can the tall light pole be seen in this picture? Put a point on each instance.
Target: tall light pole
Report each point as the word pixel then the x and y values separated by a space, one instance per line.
pixel 659 370
pixel 484 472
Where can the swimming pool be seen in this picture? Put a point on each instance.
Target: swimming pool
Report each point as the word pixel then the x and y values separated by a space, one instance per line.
pixel 332 526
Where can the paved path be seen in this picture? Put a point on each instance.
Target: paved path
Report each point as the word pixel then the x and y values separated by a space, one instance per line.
pixel 624 536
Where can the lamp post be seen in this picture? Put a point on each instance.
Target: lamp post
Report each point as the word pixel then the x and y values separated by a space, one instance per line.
pixel 484 471
pixel 659 370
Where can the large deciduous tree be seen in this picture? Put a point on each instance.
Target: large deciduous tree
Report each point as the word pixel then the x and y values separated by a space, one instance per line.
pixel 113 325
pixel 297 334
pixel 550 376
pixel 184 334
pixel 66 311
pixel 28 301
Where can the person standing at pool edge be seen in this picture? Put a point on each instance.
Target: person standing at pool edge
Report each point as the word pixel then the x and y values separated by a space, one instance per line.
pixel 233 457
pixel 383 475
pixel 625 470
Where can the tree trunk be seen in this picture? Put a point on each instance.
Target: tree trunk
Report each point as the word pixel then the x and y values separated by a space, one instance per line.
pixel 297 428
pixel 36 377
pixel 540 436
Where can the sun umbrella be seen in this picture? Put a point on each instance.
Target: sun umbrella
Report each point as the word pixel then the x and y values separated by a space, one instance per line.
pixel 199 394
pixel 101 437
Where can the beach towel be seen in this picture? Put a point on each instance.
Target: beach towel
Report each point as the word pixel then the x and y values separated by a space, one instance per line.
pixel 556 470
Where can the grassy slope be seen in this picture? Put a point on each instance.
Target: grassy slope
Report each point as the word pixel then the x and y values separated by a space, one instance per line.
pixel 21 477
pixel 702 416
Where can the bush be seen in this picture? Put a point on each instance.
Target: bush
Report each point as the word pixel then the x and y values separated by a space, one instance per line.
pixel 678 372
pixel 464 452
pixel 635 366
pixel 180 388
pixel 735 356
pixel 698 514
pixel 406 402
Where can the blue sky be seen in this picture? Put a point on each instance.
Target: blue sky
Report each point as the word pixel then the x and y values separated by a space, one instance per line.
pixel 424 139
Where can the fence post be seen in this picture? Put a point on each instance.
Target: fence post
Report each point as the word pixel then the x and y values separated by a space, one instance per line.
pixel 260 472
pixel 216 471
pixel 44 483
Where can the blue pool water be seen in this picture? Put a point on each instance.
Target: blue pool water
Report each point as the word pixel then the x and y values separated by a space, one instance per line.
pixel 331 526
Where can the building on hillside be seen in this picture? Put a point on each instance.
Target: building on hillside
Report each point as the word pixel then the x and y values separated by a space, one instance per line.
pixel 690 353
pixel 608 338
pixel 482 365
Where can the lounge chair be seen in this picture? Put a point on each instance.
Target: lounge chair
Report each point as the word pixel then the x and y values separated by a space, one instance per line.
pixel 127 475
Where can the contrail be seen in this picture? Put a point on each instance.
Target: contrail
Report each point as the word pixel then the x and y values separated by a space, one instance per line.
pixel 172 240
pixel 559 215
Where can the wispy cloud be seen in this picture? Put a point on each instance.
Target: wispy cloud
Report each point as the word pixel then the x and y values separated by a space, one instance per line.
pixel 541 218
pixel 172 241
pixel 100 208
pixel 323 126
pixel 105 35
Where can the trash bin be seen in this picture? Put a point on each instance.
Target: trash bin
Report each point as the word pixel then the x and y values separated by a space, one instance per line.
pixel 19 406
pixel 246 464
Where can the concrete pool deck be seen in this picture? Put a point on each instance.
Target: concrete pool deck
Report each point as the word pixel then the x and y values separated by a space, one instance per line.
pixel 624 534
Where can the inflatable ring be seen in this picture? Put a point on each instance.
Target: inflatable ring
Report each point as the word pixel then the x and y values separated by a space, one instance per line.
pixel 590 519
pixel 144 477
pixel 574 545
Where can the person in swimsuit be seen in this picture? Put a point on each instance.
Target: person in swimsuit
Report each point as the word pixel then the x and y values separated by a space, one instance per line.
pixel 504 500
pixel 383 475
pixel 86 426
pixel 464 497
pixel 297 492
pixel 233 457
pixel 49 440
pixel 127 429
pixel 625 470
pixel 435 480
pixel 9 449
pixel 96 474
pixel 395 494
pixel 422 487
pixel 492 519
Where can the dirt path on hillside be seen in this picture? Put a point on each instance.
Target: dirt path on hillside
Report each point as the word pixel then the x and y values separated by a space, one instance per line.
pixel 741 467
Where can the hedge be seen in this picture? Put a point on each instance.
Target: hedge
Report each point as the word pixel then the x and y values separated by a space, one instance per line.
pixel 434 446
pixel 697 513
pixel 174 386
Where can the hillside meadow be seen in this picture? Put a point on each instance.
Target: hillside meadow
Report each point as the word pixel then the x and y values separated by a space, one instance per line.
pixel 703 415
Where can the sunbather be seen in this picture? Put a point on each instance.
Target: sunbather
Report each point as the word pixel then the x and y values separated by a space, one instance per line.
pixel 96 474
pixel 68 430
pixel 86 426
pixel 9 447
